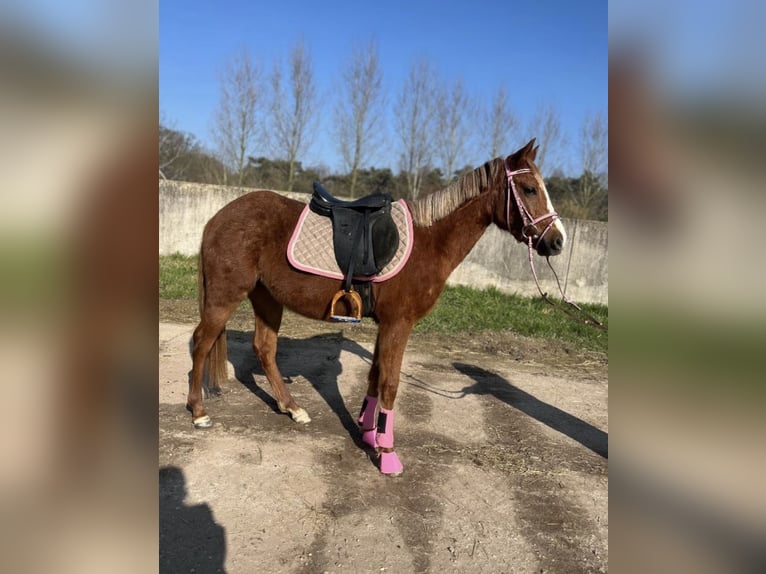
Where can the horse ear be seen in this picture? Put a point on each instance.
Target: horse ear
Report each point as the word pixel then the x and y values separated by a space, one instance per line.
pixel 533 153
pixel 527 152
pixel 529 149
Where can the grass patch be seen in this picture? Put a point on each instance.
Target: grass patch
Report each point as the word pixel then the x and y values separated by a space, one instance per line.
pixel 178 277
pixel 463 309
pixel 459 309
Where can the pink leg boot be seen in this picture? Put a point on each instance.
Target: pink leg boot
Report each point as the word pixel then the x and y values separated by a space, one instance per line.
pixel 389 461
pixel 367 420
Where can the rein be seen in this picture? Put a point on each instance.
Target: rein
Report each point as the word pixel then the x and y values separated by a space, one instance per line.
pixel 529 232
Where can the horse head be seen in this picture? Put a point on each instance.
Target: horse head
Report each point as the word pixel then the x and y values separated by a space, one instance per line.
pixel 527 211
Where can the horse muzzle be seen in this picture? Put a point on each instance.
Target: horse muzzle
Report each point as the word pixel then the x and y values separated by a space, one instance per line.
pixel 550 244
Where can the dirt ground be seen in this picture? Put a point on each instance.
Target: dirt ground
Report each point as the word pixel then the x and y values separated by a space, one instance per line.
pixel 504 441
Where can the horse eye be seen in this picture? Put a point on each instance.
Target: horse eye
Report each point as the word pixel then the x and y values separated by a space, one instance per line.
pixel 530 191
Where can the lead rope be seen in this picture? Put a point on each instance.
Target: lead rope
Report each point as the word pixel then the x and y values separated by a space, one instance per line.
pixel 588 320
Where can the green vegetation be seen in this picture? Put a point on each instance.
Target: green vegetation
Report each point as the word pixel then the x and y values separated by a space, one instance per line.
pixel 178 277
pixel 460 309
pixel 463 309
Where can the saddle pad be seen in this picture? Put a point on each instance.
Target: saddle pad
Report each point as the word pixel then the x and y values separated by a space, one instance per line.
pixel 311 249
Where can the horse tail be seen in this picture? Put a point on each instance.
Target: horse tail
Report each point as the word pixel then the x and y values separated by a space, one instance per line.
pixel 217 361
pixel 218 357
pixel 200 284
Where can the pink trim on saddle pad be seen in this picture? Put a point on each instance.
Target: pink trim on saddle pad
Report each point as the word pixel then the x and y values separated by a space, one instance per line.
pixel 313 233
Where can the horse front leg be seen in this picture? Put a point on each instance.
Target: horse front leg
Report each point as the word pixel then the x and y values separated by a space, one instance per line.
pixel 384 378
pixel 368 416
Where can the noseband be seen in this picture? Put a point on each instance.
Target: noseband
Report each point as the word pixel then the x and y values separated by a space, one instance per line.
pixel 529 224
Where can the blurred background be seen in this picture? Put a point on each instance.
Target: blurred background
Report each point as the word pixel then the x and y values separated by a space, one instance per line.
pixel 78 285
pixel 687 122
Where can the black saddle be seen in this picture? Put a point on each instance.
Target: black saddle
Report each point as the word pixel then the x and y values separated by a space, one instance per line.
pixel 323 203
pixel 365 238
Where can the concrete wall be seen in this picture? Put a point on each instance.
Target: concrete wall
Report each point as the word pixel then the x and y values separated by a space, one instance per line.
pixel 497 260
pixel 185 208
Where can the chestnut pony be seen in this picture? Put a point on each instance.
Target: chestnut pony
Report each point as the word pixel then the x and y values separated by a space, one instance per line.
pixel 243 254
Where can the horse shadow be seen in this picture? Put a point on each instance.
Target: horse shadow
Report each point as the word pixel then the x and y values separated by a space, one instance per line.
pixel 189 537
pixel 322 374
pixel 488 383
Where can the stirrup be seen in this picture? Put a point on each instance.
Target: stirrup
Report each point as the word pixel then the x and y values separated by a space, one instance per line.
pixel 356 307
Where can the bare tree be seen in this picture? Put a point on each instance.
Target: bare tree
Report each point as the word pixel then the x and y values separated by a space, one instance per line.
pixel 545 125
pixel 499 123
pixel 293 109
pixel 414 112
pixel 236 124
pixel 452 133
pixel 359 111
pixel 594 137
pixel 173 146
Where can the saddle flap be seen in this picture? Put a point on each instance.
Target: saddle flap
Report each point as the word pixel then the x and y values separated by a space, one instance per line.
pixel 385 240
pixel 365 241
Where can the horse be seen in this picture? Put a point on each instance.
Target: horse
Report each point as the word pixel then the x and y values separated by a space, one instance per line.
pixel 243 254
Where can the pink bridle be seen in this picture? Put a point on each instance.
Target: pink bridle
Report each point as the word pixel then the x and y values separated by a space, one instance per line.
pixel 528 222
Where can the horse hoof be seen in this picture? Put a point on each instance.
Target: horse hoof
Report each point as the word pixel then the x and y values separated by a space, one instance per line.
pixel 202 422
pixel 214 392
pixel 390 464
pixel 300 416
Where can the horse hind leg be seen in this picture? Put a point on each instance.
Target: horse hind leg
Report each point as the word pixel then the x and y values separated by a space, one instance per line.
pixel 268 318
pixel 209 342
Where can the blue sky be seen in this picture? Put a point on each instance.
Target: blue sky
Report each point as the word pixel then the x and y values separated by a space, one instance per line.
pixel 543 52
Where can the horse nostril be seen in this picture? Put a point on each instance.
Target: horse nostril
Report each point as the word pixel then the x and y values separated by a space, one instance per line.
pixel 557 244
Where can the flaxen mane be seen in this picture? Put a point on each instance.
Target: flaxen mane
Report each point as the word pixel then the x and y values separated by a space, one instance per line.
pixel 440 204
